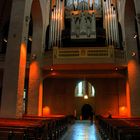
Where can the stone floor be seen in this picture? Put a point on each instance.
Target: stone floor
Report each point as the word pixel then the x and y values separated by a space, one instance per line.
pixel 82 130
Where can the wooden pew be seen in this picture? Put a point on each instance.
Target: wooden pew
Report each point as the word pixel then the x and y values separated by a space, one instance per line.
pixel 19 129
pixel 120 128
pixel 34 127
pixel 55 125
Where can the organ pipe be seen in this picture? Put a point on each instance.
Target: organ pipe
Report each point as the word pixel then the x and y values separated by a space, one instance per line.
pixel 56 33
pixel 117 29
pixel 88 4
pixel 110 23
pixel 113 23
pixel 105 20
pixel 51 29
pixel 61 20
pixel 73 3
pixel 56 24
pixel 92 4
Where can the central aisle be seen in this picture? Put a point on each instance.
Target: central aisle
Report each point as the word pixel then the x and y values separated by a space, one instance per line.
pixel 82 130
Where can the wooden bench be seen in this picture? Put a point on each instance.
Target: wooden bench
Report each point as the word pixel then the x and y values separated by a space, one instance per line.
pixel 19 129
pixel 120 128
pixel 33 128
pixel 55 125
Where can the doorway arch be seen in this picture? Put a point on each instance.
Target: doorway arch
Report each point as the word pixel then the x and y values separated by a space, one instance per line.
pixel 86 111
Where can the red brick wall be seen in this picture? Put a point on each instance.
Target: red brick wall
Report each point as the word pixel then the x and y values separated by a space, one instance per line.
pixel 59 96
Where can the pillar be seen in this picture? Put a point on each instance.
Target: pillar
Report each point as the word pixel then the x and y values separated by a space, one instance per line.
pixel 15 63
pixel 132 58
pixel 34 105
pixel 35 92
pixel 134 80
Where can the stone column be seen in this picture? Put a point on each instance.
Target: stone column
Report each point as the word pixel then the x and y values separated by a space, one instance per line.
pixel 133 65
pixel 137 3
pixel 15 63
pixel 134 80
pixel 133 72
pixel 34 105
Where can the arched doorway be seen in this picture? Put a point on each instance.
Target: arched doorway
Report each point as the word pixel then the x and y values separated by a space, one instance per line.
pixel 86 111
pixel 85 93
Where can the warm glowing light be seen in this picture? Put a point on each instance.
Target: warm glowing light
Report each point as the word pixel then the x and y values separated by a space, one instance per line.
pixel 22 67
pixel 40 99
pixel 128 98
pixel 23 55
pixel 53 74
pixel 85 96
pixel 123 111
pixel 46 111
pixel 51 69
pixel 34 70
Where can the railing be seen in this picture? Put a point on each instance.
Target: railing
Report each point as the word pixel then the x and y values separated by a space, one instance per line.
pixel 83 52
pixel 97 54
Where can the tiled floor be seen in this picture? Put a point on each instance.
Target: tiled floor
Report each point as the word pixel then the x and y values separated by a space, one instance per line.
pixel 82 130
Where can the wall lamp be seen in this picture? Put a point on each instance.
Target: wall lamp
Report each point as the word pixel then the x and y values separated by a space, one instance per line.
pixel 34 56
pixel 133 54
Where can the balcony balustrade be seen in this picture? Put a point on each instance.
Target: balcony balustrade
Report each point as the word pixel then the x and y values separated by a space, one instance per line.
pixel 101 55
pixel 86 55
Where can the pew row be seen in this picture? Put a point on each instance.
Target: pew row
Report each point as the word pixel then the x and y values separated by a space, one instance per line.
pixel 20 129
pixel 34 127
pixel 119 128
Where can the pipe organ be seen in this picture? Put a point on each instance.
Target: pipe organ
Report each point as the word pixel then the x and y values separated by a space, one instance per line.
pixel 83 15
pixel 83 26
